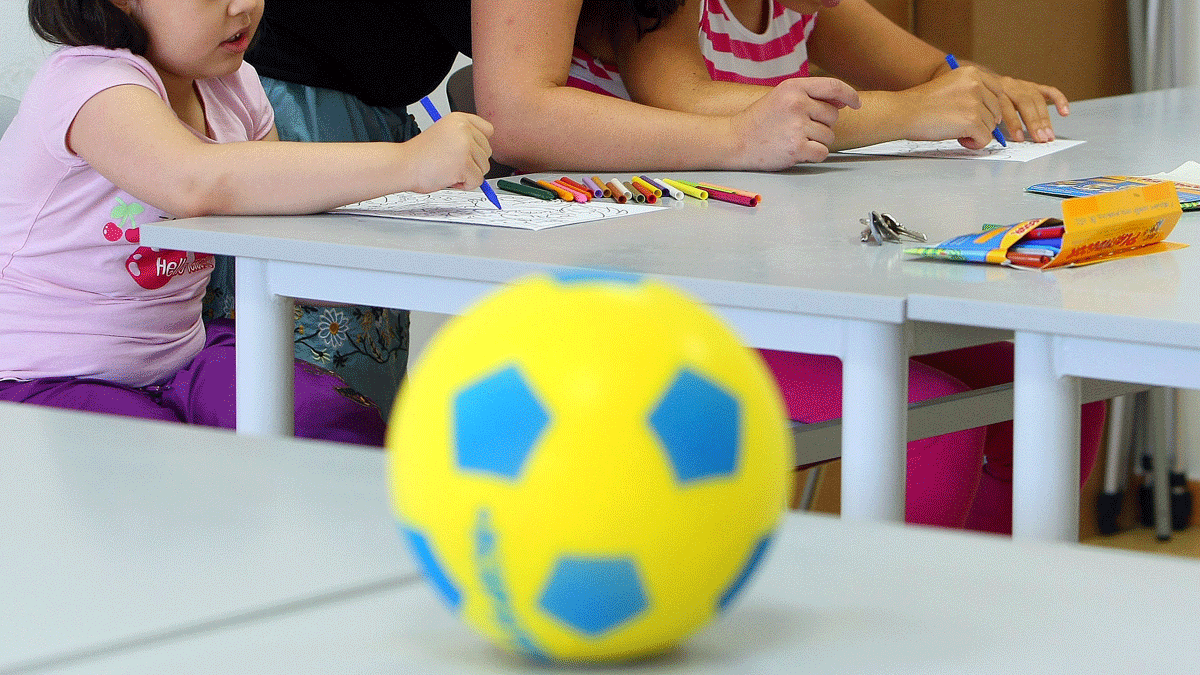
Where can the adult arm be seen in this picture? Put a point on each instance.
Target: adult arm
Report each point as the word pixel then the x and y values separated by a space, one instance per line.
pixel 133 138
pixel 521 59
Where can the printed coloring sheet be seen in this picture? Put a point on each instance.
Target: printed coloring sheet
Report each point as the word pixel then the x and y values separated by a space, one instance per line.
pixel 951 149
pixel 473 208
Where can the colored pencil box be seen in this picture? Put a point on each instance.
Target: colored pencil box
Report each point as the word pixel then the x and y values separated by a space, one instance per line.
pixel 1189 194
pixel 1120 224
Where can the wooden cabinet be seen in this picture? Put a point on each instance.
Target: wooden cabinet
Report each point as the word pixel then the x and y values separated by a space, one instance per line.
pixel 1081 47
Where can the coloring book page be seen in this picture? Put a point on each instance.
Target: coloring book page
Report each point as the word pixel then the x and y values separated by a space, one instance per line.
pixel 1015 152
pixel 473 208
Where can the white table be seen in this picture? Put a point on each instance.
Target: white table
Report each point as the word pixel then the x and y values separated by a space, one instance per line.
pixel 780 273
pixel 118 532
pixel 1131 321
pixel 790 274
pixel 832 597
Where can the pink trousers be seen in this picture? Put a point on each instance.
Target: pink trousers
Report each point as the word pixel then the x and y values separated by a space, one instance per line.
pixel 961 479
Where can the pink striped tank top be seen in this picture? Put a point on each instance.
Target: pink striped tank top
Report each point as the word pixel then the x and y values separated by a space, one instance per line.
pixel 736 54
pixel 589 73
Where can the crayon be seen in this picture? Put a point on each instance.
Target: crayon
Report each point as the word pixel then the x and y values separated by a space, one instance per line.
pixel 635 195
pixel 1027 259
pixel 579 187
pixel 705 185
pixel 580 196
pixel 603 186
pixel 619 192
pixel 753 197
pixel 1050 232
pixel 953 63
pixel 435 116
pixel 662 190
pixel 723 196
pixel 593 186
pixel 563 194
pixel 668 189
pixel 637 181
pixel 689 190
pixel 525 190
pixel 641 187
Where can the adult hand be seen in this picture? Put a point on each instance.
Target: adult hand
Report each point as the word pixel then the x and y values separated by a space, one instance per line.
pixel 791 123
pixel 453 152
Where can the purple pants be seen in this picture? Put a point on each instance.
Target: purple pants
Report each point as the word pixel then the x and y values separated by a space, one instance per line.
pixel 203 393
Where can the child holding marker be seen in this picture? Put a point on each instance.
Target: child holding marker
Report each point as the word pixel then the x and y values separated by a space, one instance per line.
pixel 146 113
pixel 720 56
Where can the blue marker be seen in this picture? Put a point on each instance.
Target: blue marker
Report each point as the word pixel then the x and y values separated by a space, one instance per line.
pixel 995 132
pixel 435 116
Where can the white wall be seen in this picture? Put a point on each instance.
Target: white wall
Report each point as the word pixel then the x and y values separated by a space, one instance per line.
pixel 21 52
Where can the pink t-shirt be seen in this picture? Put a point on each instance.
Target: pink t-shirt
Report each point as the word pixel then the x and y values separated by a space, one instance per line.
pixel 79 296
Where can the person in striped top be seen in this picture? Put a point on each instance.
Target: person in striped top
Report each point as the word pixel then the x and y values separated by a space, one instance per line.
pixel 744 49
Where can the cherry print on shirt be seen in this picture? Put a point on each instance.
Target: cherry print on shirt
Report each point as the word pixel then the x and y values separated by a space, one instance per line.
pixel 124 221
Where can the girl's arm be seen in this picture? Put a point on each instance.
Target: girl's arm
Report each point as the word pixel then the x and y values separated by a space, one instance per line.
pixel 133 138
pixel 853 40
pixel 922 99
pixel 522 53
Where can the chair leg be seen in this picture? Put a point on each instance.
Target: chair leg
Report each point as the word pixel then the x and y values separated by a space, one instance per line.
pixel 1116 462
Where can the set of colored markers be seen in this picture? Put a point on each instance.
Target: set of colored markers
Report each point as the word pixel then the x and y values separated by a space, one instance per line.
pixel 639 189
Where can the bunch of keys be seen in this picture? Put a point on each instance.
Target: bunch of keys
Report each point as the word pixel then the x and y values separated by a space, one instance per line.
pixel 881 227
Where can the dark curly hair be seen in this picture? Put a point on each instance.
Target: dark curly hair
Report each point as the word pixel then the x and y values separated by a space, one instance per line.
pixel 648 15
pixel 82 23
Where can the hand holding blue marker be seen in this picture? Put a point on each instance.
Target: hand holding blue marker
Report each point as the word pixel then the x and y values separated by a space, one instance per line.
pixel 995 132
pixel 435 116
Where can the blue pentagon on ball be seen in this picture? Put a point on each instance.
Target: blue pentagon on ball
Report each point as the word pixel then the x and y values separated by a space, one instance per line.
pixel 594 595
pixel 698 423
pixel 497 422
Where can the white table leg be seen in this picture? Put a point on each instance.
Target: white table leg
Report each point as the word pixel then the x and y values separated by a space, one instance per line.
pixel 265 376
pixel 874 421
pixel 1045 444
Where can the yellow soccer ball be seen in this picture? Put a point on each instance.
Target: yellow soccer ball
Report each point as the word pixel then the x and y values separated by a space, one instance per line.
pixel 588 467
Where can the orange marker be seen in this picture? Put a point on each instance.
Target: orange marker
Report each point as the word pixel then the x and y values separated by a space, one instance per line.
pixel 579 187
pixel 755 196
pixel 646 192
pixel 581 197
pixel 563 194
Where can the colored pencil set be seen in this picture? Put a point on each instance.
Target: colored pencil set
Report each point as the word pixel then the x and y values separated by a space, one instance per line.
pixel 638 189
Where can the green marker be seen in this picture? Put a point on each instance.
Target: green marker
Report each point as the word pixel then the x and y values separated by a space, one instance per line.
pixel 525 190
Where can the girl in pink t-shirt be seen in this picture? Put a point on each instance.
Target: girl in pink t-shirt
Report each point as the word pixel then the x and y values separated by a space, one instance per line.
pixel 149 112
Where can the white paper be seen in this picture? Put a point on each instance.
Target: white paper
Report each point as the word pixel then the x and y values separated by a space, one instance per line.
pixel 1188 172
pixel 473 208
pixel 951 149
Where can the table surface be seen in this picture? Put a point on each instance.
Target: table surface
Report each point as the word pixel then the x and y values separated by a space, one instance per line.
pixel 1151 299
pixel 798 252
pixel 118 529
pixel 832 597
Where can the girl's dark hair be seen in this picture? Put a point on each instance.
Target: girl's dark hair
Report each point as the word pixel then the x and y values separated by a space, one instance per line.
pixel 649 14
pixel 82 23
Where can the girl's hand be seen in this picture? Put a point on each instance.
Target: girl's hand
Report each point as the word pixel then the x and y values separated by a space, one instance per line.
pixel 792 123
pixel 1027 102
pixel 453 152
